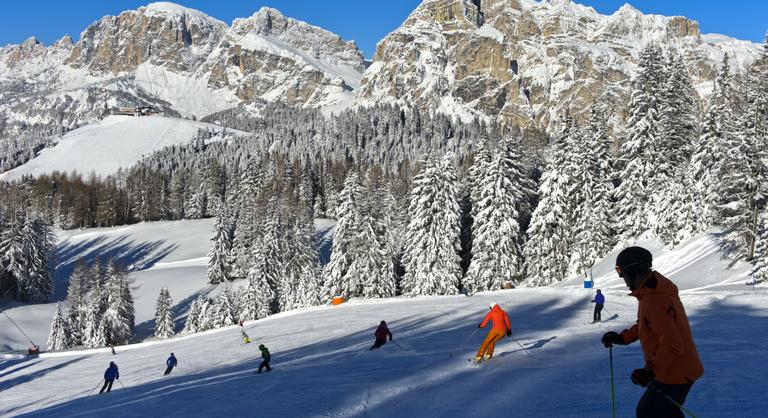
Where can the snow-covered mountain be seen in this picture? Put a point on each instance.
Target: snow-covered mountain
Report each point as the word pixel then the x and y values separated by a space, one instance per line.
pixel 527 62
pixel 520 61
pixel 177 59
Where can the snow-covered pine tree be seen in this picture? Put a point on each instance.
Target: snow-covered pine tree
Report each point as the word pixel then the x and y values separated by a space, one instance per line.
pixel 371 264
pixel 77 292
pixel 28 246
pixel 258 297
pixel 246 229
pixel 671 203
pixel 683 214
pixel 58 339
pixel 637 154
pixel 742 182
pixel 219 256
pixel 92 321
pixel 760 261
pixel 118 317
pixel 309 288
pixel 710 148
pixel 164 325
pixel 593 227
pixel 207 315
pixel 192 322
pixel 497 256
pixel 548 251
pixel 225 310
pixel 432 261
pixel 343 252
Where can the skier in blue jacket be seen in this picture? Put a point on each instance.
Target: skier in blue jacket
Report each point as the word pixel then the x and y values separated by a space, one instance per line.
pixel 171 363
pixel 109 377
pixel 599 301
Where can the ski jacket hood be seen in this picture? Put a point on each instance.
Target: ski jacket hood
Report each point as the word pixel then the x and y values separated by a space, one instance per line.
pixel 664 332
pixel 499 318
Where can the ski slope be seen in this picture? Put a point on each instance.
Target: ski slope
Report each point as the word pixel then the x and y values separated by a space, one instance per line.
pixel 157 254
pixel 322 367
pixel 113 143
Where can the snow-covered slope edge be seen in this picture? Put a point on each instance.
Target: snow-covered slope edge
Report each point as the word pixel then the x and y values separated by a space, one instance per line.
pixel 115 142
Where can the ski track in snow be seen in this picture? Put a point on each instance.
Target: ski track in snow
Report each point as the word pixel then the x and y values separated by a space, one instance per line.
pixel 322 366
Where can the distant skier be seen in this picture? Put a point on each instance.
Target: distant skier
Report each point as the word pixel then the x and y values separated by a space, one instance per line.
pixel 672 363
pixel 381 335
pixel 246 338
pixel 500 327
pixel 109 377
pixel 599 301
pixel 265 357
pixel 171 363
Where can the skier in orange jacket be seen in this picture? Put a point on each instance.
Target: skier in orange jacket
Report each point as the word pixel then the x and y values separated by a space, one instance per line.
pixel 500 327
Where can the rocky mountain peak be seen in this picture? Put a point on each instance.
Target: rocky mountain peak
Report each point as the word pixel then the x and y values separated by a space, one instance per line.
pixel 525 62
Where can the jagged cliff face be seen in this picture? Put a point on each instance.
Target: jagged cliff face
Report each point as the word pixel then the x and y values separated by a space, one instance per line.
pixel 179 60
pixel 525 63
pixel 164 35
pixel 518 61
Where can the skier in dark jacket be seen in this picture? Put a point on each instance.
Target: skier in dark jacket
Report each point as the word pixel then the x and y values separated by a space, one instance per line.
pixel 265 356
pixel 381 336
pixel 109 377
pixel 599 301
pixel 171 363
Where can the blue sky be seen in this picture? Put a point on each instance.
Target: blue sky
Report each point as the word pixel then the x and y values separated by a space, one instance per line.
pixel 366 21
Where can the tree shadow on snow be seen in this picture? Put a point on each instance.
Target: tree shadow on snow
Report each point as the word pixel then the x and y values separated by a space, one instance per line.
pixel 135 256
pixel 305 381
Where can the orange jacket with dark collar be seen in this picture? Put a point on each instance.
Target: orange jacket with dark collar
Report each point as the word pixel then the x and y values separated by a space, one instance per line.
pixel 664 332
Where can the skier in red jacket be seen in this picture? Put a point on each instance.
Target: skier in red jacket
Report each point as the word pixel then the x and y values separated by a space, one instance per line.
pixel 500 327
pixel 381 335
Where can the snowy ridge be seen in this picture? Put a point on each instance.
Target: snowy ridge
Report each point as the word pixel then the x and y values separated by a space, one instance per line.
pixel 116 142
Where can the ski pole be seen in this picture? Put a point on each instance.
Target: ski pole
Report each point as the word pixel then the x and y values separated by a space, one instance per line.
pixel 613 395
pixel 121 383
pixel 398 345
pixel 465 341
pixel 521 346
pixel 680 407
pixel 97 386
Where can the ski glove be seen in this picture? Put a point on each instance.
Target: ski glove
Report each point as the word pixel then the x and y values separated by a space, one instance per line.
pixel 509 333
pixel 642 376
pixel 610 338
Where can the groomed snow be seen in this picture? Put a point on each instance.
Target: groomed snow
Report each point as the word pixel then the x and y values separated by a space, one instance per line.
pixel 106 146
pixel 322 368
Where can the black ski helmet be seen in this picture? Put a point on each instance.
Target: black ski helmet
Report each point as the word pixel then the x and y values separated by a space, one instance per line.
pixel 383 323
pixel 633 260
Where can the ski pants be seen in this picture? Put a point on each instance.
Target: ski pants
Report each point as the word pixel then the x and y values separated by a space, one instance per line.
pixel 598 309
pixel 377 344
pixel 490 342
pixel 168 371
pixel 107 386
pixel 264 364
pixel 653 404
